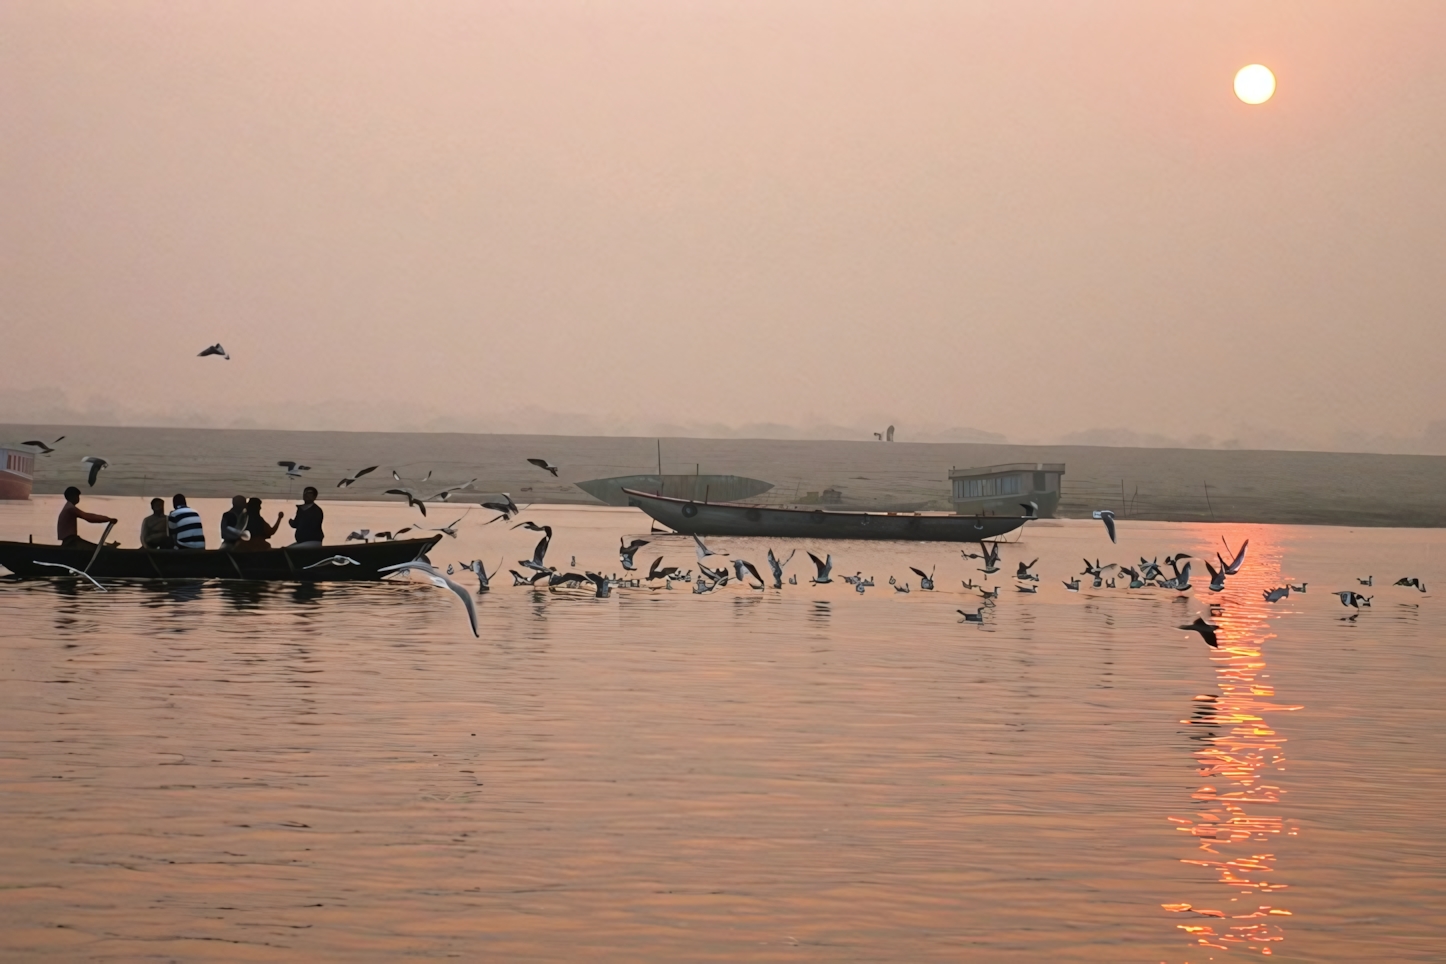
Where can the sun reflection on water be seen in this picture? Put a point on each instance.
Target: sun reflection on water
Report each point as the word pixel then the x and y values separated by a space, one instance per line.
pixel 1237 823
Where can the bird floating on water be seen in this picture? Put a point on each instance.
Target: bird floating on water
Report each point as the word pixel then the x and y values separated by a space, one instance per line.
pixel 977 616
pixel 1072 585
pixel 1368 581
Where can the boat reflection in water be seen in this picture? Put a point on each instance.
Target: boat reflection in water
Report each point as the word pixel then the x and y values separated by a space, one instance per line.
pixel 1237 822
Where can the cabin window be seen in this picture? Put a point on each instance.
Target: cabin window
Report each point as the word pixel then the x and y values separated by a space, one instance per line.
pixel 987 488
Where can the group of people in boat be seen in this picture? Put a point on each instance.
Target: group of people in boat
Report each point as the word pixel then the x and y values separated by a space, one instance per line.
pixel 243 527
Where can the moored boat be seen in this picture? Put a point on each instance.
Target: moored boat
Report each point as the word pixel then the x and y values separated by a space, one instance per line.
pixel 741 519
pixel 17 472
pixel 284 563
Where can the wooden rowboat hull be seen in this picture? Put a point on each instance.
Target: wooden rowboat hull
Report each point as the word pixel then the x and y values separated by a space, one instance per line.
pixel 741 519
pixel 21 558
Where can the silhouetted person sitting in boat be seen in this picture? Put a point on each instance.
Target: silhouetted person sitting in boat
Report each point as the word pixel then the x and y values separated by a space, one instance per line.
pixel 256 526
pixel 185 525
pixel 307 521
pixel 70 513
pixel 233 523
pixel 155 528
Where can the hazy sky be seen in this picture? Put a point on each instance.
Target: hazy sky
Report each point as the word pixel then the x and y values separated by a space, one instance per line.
pixel 1030 218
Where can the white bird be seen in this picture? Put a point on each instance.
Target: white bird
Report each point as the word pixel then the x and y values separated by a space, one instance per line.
pixel 1031 509
pixel 484 578
pixel 83 575
pixel 96 463
pixel 334 561
pixel 1368 581
pixel 1354 599
pixel 901 587
pixel 360 535
pixel 926 583
pixel 356 475
pixel 215 349
pixel 543 464
pixel 824 566
pixel 740 566
pixel 1024 572
pixel 1411 582
pixel 703 551
pixel 441 582
pixel 1072 585
pixel 977 616
pixel 294 469
pixel 518 579
pixel 1108 518
pixel 1027 588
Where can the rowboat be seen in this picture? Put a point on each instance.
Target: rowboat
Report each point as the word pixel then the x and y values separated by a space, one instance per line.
pixel 742 519
pixel 298 564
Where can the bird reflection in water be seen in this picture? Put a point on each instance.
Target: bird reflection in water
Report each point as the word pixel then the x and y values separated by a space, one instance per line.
pixel 1238 825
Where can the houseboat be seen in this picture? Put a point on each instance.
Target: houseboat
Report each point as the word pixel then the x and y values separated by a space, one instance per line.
pixel 1002 489
pixel 17 472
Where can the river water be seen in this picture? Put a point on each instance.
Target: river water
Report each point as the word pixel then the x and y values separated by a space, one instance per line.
pixel 214 771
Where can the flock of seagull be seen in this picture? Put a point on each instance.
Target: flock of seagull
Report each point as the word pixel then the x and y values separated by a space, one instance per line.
pixel 1150 573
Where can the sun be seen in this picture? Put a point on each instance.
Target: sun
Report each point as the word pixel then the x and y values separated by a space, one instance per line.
pixel 1254 84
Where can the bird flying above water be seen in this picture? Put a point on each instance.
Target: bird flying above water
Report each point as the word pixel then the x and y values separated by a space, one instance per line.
pixel 543 464
pixel 96 464
pixel 1206 631
pixel 215 349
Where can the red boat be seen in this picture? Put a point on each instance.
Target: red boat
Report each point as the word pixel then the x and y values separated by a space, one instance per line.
pixel 17 471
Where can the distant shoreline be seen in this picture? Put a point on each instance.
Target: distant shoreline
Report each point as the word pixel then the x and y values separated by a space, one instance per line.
pixel 1287 487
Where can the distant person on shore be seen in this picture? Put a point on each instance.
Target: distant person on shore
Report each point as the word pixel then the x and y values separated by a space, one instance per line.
pixel 233 523
pixel 261 533
pixel 156 528
pixel 185 525
pixel 70 513
pixel 307 522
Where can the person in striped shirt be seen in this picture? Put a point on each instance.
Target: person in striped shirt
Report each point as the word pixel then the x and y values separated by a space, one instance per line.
pixel 184 524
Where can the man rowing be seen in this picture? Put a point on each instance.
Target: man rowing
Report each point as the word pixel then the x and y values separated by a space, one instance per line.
pixel 66 529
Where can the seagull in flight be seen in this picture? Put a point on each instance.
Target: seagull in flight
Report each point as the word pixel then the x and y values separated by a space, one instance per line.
pixel 83 575
pixel 1031 509
pixel 991 557
pixel 506 507
pixel 1354 599
pixel 518 579
pixel 777 568
pixel 926 583
pixel 1275 595
pixel 543 464
pixel 334 561
pixel 450 529
pixel 361 535
pixel 215 349
pixel 1217 577
pixel 703 551
pixel 1412 582
pixel 356 475
pixel 740 566
pixel 1108 518
pixel 824 566
pixel 44 449
pixel 484 578
pixel 659 571
pixel 441 582
pixel 96 464
pixel 539 553
pixel 294 469
pixel 1024 568
pixel 1232 567
pixel 626 552
pixel 1206 631
pixel 413 499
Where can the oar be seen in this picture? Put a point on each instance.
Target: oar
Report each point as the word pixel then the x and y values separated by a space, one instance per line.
pixel 95 555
